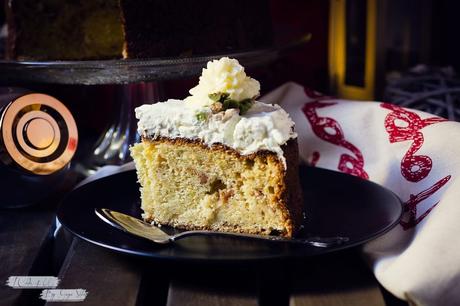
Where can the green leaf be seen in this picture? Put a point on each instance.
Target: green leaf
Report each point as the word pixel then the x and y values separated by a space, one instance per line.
pixel 224 96
pixel 245 105
pixel 202 116
pixel 227 103
pixel 219 96
pixel 215 96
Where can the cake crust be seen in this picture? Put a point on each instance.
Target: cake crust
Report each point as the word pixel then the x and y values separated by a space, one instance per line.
pixel 289 195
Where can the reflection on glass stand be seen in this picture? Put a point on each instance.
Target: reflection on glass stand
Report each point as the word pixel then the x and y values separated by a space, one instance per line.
pixel 135 82
pixel 112 148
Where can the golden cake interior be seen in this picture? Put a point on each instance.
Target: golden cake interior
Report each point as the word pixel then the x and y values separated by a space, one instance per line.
pixel 188 185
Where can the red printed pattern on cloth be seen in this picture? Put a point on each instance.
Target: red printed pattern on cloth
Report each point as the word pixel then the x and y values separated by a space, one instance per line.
pixel 329 130
pixel 410 207
pixel 402 125
pixel 314 158
pixel 413 167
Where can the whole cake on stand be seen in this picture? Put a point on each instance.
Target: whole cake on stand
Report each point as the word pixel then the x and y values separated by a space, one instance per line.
pixel 111 29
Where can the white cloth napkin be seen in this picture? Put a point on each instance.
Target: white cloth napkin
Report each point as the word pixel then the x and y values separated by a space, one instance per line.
pixel 414 154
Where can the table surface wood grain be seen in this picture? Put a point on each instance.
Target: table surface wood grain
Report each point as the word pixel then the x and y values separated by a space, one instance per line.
pixel 28 247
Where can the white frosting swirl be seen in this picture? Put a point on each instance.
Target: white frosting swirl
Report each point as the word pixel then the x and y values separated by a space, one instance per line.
pixel 263 127
pixel 224 76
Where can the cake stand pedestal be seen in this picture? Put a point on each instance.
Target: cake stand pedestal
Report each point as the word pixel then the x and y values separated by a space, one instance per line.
pixel 113 146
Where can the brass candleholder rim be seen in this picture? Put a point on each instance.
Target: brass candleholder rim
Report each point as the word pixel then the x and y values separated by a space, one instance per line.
pixel 39 134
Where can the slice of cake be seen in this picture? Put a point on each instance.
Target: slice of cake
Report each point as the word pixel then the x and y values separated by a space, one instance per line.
pixel 219 160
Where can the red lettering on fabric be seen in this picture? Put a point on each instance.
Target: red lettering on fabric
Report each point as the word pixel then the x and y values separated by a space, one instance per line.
pixel 410 219
pixel 314 158
pixel 329 130
pixel 402 125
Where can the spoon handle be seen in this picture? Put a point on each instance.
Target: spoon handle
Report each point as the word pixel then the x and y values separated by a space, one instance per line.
pixel 323 242
pixel 140 228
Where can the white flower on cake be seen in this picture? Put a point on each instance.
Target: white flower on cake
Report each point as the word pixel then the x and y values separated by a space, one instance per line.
pixel 223 76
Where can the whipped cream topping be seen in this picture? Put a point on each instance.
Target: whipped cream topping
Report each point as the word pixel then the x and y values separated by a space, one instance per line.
pixel 262 127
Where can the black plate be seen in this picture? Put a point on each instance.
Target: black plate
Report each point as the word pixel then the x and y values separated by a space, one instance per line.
pixel 336 204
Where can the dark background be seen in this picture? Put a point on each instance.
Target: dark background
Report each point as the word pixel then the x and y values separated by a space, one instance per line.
pixel 435 19
pixel 416 31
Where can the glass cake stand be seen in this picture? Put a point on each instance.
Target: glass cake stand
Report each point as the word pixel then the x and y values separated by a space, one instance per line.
pixel 135 82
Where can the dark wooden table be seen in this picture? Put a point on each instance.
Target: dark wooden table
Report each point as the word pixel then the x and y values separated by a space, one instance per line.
pixel 29 247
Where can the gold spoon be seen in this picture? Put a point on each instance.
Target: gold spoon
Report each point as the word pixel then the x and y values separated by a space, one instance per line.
pixel 140 228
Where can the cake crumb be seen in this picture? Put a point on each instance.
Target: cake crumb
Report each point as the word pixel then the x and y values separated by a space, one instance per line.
pixel 216 107
pixel 203 178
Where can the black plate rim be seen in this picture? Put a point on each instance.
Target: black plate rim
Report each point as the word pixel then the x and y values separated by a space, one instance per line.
pixel 268 257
